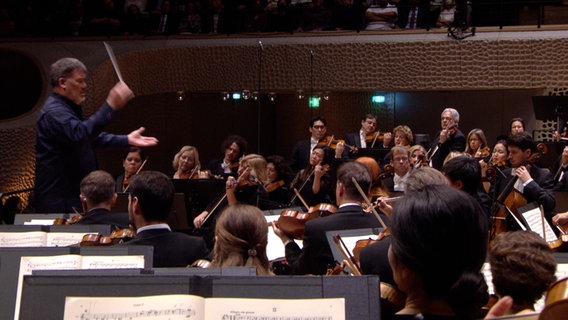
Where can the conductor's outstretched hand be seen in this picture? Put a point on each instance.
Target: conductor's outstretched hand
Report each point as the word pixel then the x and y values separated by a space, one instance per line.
pixel 135 138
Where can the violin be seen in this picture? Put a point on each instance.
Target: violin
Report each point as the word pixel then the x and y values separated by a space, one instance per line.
pixel 66 222
pixel 117 236
pixel 331 142
pixel 388 171
pixel 292 222
pixel 482 153
pixel 492 169
pixel 372 138
pixel 126 181
pixel 556 302
pixel 274 185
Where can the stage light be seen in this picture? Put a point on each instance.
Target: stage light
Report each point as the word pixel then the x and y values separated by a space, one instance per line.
pixel 180 95
pixel 245 94
pixel 272 96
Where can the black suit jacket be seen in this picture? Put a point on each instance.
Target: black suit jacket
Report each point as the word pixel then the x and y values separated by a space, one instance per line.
pixel 171 249
pixel 456 142
pixel 374 260
pixel 300 155
pixel 118 220
pixel 316 255
pixel 539 190
pixel 353 139
pixel 215 167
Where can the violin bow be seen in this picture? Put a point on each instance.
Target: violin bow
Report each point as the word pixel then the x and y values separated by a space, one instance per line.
pixel 137 172
pixel 368 202
pixel 375 138
pixel 301 188
pixel 197 167
pixel 223 197
pixel 301 198
pixel 355 270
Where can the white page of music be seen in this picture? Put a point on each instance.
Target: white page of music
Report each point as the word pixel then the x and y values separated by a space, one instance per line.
pixel 63 239
pixel 535 221
pixel 23 239
pixel 113 262
pixel 275 248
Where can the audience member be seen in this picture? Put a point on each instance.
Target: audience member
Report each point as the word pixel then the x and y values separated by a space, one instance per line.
pixel 382 16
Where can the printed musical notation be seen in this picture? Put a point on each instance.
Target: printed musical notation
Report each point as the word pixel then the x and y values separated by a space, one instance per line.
pixel 173 307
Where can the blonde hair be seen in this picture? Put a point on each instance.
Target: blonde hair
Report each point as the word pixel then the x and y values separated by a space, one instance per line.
pixel 183 149
pixel 257 163
pixel 406 131
pixel 241 237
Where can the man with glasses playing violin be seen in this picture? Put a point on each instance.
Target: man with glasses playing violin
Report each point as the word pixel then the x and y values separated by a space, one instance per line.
pixel 450 138
pixel 303 149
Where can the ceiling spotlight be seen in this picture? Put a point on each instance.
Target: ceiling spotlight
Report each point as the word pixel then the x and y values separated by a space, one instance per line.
pixel 325 96
pixel 272 96
pixel 225 96
pixel 180 95
pixel 254 95
pixel 300 94
pixel 245 94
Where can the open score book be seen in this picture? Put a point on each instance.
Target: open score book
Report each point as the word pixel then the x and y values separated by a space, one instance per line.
pixel 172 307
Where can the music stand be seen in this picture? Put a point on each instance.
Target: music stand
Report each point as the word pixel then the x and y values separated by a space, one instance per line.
pixel 551 108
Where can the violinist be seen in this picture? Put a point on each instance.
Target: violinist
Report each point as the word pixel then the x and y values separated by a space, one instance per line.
pixel 97 199
pixel 418 156
pixel 559 171
pixel 233 148
pixel 517 125
pixel 303 148
pixel 316 256
pixel 438 266
pixel 186 163
pixel 313 182
pixel 450 138
pixel 241 238
pixel 150 199
pixel 131 164
pixel 464 173
pixel 477 144
pixel 279 177
pixel 532 182
pixel 522 267
pixel 403 137
pixel 365 138
pixel 248 188
pixel 498 162
pixel 401 163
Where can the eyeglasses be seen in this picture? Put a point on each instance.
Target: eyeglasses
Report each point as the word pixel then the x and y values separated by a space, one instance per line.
pixel 403 159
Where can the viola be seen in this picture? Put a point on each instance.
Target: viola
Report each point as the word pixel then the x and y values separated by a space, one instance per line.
pixel 126 181
pixel 117 236
pixel 65 222
pixel 388 171
pixel 556 302
pixel 372 138
pixel 331 142
pixel 482 153
pixel 293 222
pixel 274 185
pixel 492 169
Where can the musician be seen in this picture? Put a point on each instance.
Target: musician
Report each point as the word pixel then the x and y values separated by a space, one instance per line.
pixel 522 267
pixel 186 162
pixel 313 182
pixel 241 238
pixel 532 182
pixel 368 128
pixel 131 163
pixel 438 246
pixel 150 199
pixel 233 148
pixel 559 171
pixel 477 144
pixel 65 141
pixel 248 188
pixel 450 138
pixel 499 161
pixel 97 199
pixel 316 256
pixel 464 173
pixel 303 149
pixel 517 125
pixel 279 177
pixel 402 137
pixel 401 163
pixel 418 156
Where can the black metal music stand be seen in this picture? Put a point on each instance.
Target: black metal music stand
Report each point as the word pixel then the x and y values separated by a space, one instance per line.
pixel 551 108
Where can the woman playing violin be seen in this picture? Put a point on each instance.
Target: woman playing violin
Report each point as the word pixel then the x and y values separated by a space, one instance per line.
pixel 477 144
pixel 248 188
pixel 418 156
pixel 497 163
pixel 279 176
pixel 313 182
pixel 131 163
pixel 186 163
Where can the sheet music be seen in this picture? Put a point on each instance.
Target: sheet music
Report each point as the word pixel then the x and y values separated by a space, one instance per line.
pixel 23 239
pixel 166 307
pixel 351 242
pixel 28 264
pixel 172 307
pixel 63 239
pixel 534 220
pixel 39 222
pixel 113 262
